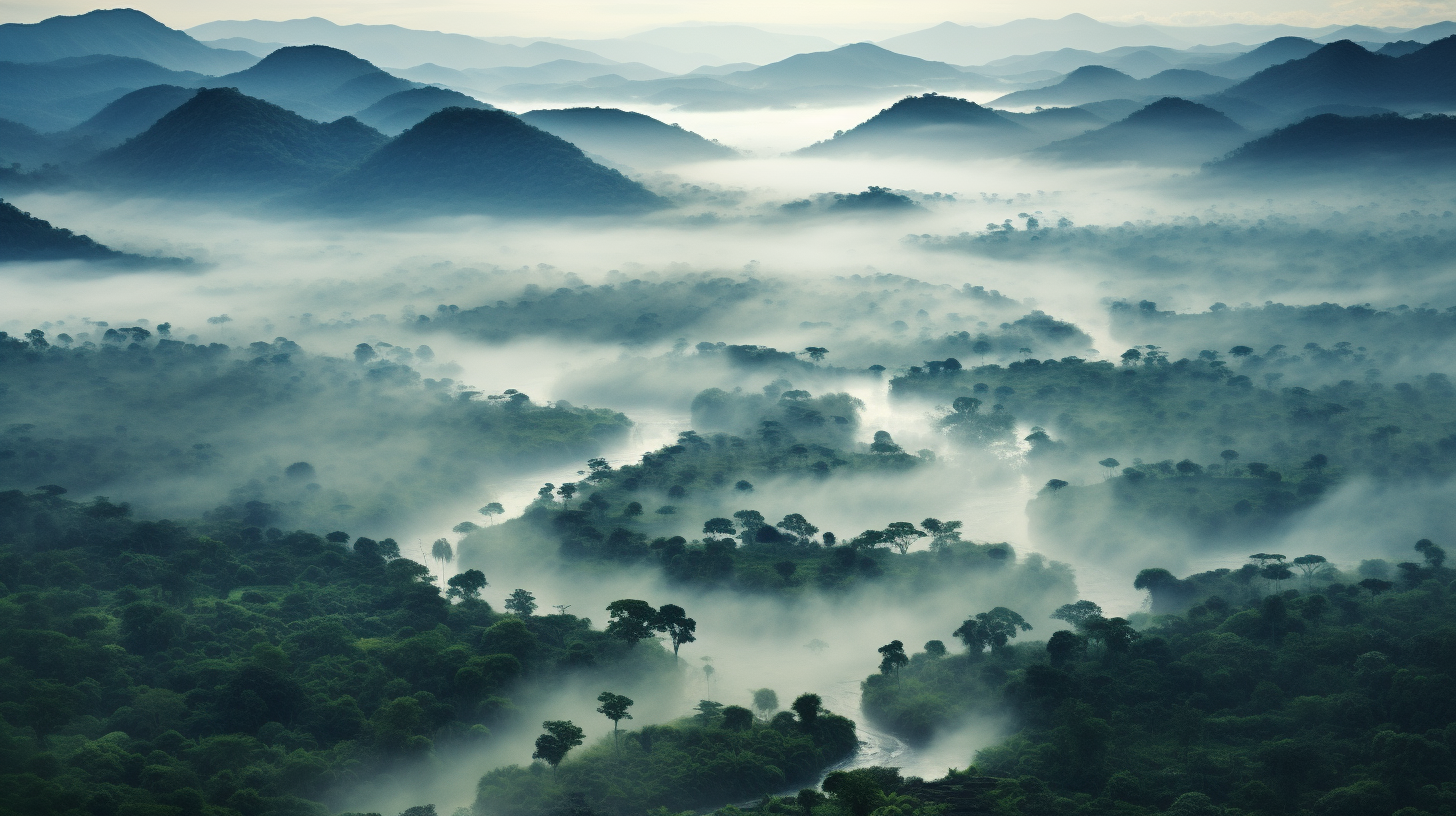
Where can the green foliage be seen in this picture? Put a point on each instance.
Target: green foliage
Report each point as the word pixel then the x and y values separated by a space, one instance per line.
pixel 1331 701
pixel 203 666
pixel 191 426
pixel 24 237
pixel 686 764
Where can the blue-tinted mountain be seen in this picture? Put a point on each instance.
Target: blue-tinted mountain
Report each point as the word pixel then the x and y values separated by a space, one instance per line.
pixel 23 237
pixel 130 115
pixel 1345 73
pixel 1170 131
pixel 23 145
pixel 401 111
pixel 117 32
pixel 315 81
pixel 223 142
pixel 1057 123
pixel 61 94
pixel 1341 146
pixel 1275 52
pixel 624 137
pixel 392 45
pixel 464 160
pixel 972 45
pixel 860 64
pixel 930 123
pixel 1094 83
pixel 1400 48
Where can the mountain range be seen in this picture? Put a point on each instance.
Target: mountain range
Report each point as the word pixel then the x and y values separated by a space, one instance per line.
pixel 393 45
pixel 117 32
pixel 462 160
pixel 315 81
pixel 1345 73
pixel 1170 131
pixel 1094 83
pixel 60 94
pixel 223 142
pixel 627 138
pixel 928 124
pixel 401 111
pixel 1331 146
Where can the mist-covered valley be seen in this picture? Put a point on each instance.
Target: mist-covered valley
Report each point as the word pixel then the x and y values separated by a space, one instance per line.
pixel 402 422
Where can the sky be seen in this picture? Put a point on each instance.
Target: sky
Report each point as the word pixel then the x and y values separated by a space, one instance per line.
pixel 841 20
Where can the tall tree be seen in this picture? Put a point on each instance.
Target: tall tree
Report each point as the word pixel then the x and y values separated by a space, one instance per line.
pixel 560 737
pixel 892 658
pixel 631 620
pixel 522 603
pixel 673 620
pixel 614 706
pixel 765 701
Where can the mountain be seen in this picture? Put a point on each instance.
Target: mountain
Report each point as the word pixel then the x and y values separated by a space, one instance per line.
pixel 627 138
pixel 1430 33
pixel 130 115
pixel 733 43
pixel 463 160
pixel 57 95
pixel 257 49
pixel 1400 48
pixel 1057 123
pixel 917 125
pixel 623 50
pixel 1170 131
pixel 1274 52
pixel 315 81
pixel 399 112
pixel 1136 61
pixel 1361 33
pixel 115 32
pixel 393 45
pixel 23 237
pixel 970 45
pixel 556 71
pixel 221 141
pixel 1345 73
pixel 1343 146
pixel 1095 83
pixel 860 64
pixel 23 145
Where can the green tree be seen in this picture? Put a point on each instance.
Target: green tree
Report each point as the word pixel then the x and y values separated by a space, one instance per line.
pixel 467 585
pixel 560 737
pixel 718 526
pixel 631 620
pixel 492 510
pixel 614 707
pixel 808 799
pixel 765 701
pixel 901 534
pixel 1077 613
pixel 673 620
pixel 893 658
pixel 442 551
pixel 522 603
pixel 737 718
pixel 708 711
pixel 991 629
pixel 808 707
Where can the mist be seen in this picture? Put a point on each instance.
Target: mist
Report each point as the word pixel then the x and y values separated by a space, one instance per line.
pixel 367 457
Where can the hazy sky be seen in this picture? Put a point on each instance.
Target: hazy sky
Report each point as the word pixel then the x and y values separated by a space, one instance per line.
pixel 843 20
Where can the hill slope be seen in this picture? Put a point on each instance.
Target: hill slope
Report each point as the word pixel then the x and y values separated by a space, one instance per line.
pixel 929 123
pixel 392 45
pixel 628 138
pixel 130 115
pixel 401 111
pixel 483 161
pixel 970 45
pixel 1275 52
pixel 1341 146
pixel 221 141
pixel 315 81
pixel 61 94
pixel 1096 83
pixel 117 32
pixel 1344 73
pixel 860 64
pixel 23 237
pixel 1170 131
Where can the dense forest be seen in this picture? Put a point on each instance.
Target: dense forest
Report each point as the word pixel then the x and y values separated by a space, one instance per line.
pixel 210 666
pixel 1294 691
pixel 280 434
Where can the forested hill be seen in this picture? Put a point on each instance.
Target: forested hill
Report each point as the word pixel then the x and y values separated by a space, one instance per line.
pixel 281 434
pixel 209 667
pixel 1283 693
pixel 23 237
